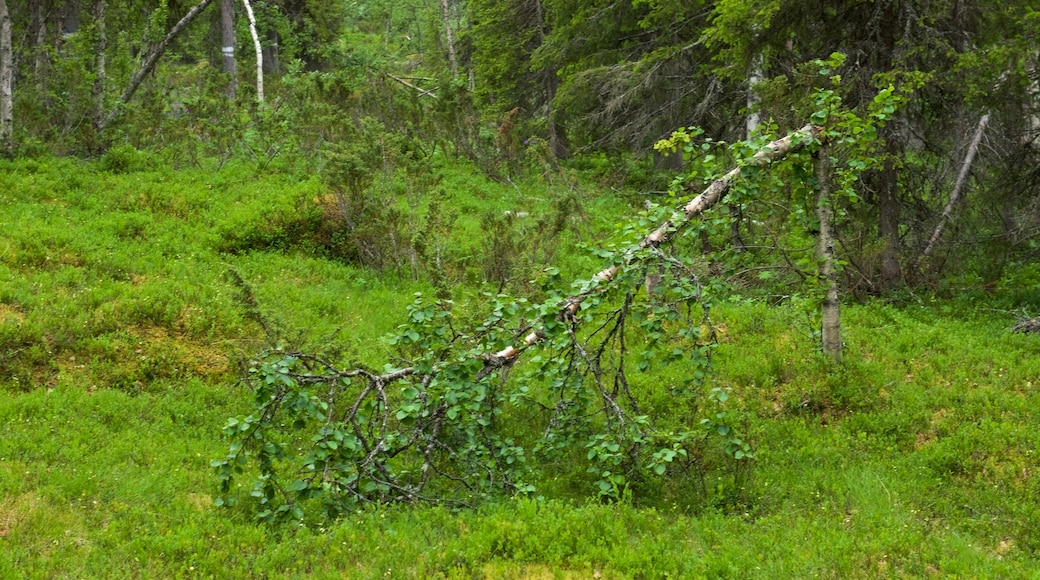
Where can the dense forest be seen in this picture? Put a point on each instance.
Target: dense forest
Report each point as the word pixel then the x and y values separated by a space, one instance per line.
pixel 508 85
pixel 692 274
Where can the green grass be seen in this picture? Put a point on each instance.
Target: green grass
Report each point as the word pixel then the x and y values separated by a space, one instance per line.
pixel 121 329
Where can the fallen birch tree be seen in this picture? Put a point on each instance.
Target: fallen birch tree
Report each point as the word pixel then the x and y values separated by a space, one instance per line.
pixel 453 428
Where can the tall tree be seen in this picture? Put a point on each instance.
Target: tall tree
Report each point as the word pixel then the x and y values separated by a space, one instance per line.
pixel 100 48
pixel 259 52
pixel 830 319
pixel 151 58
pixel 631 72
pixel 505 38
pixel 449 37
pixel 6 82
pixel 227 45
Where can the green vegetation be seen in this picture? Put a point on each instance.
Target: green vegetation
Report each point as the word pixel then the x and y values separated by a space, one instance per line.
pixel 432 303
pixel 123 330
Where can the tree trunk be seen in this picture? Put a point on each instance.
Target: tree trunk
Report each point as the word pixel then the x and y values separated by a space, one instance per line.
pixel 272 66
pixel 830 326
pixel 551 81
pixel 888 223
pixel 39 20
pixel 694 208
pixel 754 119
pixel 100 46
pixel 6 83
pixel 227 48
pixel 151 57
pixel 259 53
pixel 450 39
pixel 958 186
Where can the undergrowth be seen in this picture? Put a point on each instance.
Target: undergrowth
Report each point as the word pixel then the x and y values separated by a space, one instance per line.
pixel 122 332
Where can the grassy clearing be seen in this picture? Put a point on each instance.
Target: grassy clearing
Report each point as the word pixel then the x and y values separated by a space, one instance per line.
pixel 121 329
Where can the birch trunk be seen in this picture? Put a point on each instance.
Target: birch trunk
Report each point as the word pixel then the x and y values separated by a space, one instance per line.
pixel 692 209
pixel 100 46
pixel 259 52
pixel 830 327
pixel 6 83
pixel 151 57
pixel 227 48
pixel 958 186
pixel 450 39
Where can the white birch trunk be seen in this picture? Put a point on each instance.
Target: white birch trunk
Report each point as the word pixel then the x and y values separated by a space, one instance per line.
pixel 754 118
pixel 259 52
pixel 6 82
pixel 694 208
pixel 830 326
pixel 100 46
pixel 450 39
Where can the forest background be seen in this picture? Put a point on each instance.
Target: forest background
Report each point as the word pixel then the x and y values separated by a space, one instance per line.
pixel 224 209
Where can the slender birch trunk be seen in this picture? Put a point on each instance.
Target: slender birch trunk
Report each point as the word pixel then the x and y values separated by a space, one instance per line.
pixel 259 52
pixel 6 83
pixel 830 327
pixel 97 94
pixel 151 58
pixel 227 48
pixel 694 208
pixel 958 186
pixel 754 119
pixel 450 39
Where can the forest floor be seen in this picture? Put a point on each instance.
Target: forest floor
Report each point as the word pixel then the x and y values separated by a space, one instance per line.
pixel 121 339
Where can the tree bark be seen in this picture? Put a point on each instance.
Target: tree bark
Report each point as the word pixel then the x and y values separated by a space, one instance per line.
pixel 694 208
pixel 6 83
pixel 259 53
pixel 450 39
pixel 958 186
pixel 227 48
pixel 151 57
pixel 100 46
pixel 830 327
pixel 39 20
pixel 888 223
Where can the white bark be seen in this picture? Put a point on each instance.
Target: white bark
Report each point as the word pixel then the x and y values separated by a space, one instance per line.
pixel 830 326
pixel 958 186
pixel 259 53
pixel 100 46
pixel 754 118
pixel 694 208
pixel 450 39
pixel 40 54
pixel 6 82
